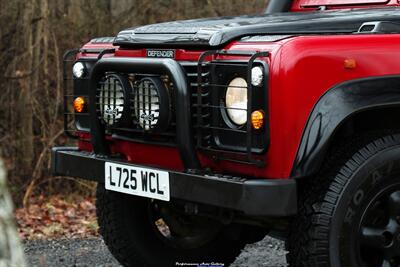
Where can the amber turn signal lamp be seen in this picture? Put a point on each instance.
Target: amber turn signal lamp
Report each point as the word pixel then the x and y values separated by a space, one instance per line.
pixel 79 104
pixel 257 119
pixel 350 64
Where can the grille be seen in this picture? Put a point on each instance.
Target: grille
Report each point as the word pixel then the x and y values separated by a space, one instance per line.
pixel 111 102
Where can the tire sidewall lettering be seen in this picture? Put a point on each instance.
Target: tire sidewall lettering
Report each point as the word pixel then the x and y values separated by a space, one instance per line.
pixel 378 170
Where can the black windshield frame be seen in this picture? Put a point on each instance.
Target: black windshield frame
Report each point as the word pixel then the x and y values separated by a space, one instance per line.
pixel 277 6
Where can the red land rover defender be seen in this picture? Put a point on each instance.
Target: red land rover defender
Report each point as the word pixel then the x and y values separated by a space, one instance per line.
pixel 205 135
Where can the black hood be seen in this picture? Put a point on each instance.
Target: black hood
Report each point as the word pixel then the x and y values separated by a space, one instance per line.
pixel 216 32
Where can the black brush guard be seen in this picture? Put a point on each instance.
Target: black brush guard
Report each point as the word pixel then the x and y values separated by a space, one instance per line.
pixel 254 197
pixel 182 98
pixel 248 60
pixel 189 130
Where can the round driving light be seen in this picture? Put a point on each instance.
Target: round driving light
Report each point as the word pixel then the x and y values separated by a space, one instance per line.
pixel 151 104
pixel 112 102
pixel 257 76
pixel 78 70
pixel 257 119
pixel 236 101
pixel 79 104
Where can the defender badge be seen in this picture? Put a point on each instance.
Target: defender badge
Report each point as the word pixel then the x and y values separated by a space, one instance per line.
pixel 160 53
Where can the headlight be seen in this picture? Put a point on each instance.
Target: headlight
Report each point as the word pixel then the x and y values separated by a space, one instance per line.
pixel 257 76
pixel 236 101
pixel 78 70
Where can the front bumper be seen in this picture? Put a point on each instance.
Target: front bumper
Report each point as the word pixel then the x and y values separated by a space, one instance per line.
pixel 255 197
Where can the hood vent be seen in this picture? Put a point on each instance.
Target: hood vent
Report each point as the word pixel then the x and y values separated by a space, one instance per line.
pixel 379 27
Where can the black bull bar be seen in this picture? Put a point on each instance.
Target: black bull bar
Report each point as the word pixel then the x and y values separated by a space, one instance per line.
pixel 182 95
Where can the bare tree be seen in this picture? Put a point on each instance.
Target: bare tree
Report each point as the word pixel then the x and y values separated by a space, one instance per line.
pixel 34 34
pixel 26 68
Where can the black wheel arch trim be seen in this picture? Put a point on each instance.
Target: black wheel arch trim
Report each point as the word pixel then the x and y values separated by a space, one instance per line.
pixel 333 108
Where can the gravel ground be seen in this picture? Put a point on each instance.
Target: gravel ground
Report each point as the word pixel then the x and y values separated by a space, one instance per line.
pixel 92 252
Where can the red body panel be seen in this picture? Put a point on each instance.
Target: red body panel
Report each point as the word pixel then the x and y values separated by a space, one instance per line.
pixel 305 69
pixel 310 5
pixel 302 69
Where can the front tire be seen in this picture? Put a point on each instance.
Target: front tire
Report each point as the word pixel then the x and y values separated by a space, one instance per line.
pixel 350 214
pixel 143 232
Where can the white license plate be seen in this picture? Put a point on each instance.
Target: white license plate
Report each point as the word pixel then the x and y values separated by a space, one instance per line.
pixel 137 181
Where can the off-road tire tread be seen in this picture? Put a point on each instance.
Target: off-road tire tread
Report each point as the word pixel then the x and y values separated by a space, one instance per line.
pixel 307 242
pixel 112 231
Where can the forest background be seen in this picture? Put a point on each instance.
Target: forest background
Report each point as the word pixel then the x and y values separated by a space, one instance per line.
pixel 34 34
